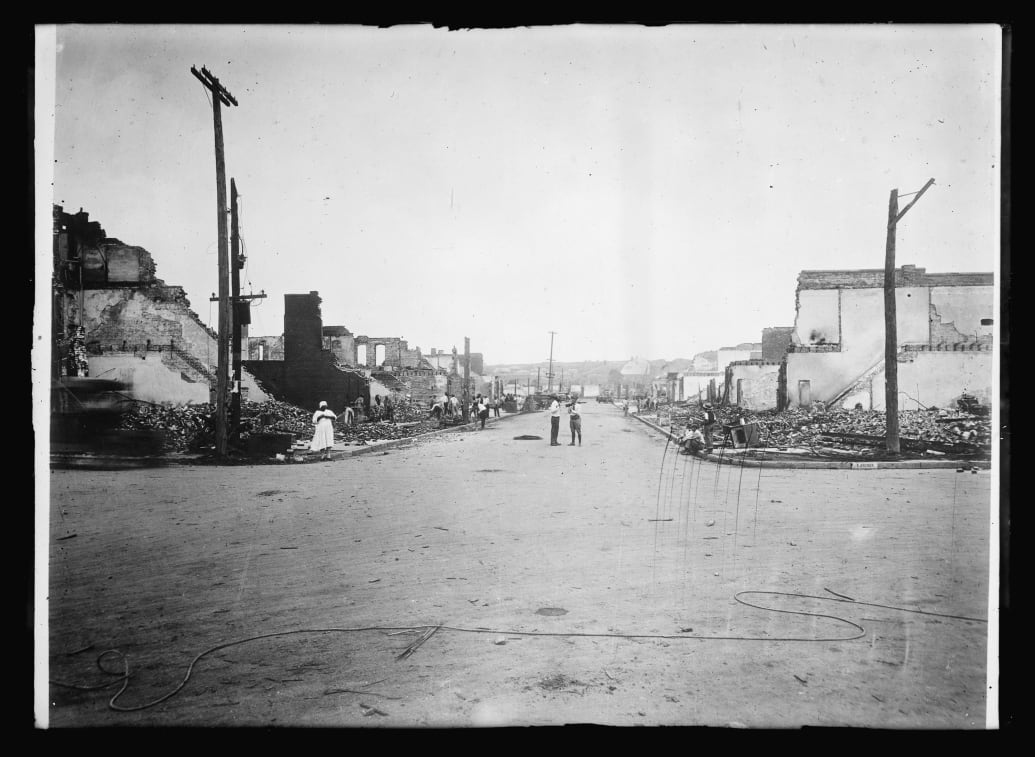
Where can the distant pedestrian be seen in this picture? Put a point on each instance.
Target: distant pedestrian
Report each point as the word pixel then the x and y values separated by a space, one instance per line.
pixel 350 416
pixel 496 406
pixel 575 420
pixel 483 409
pixel 323 435
pixel 389 409
pixel 555 421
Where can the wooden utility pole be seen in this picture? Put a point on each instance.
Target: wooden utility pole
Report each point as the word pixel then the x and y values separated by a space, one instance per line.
pixel 236 264
pixel 220 95
pixel 891 321
pixel 549 373
pixel 467 380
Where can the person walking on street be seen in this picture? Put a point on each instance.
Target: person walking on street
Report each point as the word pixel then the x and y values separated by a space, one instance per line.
pixel 555 421
pixel 323 436
pixel 575 420
pixel 496 406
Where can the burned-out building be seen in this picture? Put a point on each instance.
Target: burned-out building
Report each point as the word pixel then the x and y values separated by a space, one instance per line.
pixel 112 317
pixel 350 350
pixel 757 383
pixel 308 373
pixel 944 324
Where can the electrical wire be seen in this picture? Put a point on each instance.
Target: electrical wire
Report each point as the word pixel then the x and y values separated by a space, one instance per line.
pixel 124 677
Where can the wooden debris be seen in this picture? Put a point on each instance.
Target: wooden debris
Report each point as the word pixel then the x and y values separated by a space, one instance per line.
pixel 417 644
pixel 838 595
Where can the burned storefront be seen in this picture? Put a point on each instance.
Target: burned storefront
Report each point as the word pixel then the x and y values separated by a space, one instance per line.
pixel 944 329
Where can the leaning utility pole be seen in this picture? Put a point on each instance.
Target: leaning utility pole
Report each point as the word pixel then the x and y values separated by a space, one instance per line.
pixel 891 322
pixel 220 95
pixel 467 380
pixel 549 373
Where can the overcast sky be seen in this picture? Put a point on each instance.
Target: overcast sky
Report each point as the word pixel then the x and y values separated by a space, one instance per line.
pixel 641 191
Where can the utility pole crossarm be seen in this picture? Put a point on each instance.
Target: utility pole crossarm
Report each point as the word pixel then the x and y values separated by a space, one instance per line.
pixel 212 83
pixel 913 202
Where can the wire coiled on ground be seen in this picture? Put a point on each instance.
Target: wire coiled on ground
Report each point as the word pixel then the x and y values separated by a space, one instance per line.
pixel 124 676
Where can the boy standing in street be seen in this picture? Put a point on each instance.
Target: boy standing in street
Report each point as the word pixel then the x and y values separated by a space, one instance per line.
pixel 575 420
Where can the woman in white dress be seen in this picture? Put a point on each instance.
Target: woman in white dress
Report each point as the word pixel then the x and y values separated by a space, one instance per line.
pixel 323 436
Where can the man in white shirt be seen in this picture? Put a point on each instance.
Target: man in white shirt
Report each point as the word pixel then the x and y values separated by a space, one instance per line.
pixel 575 420
pixel 555 420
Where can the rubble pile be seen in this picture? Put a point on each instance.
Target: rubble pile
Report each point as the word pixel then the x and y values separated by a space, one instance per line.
pixel 185 428
pixel 409 410
pixel 273 416
pixel 190 428
pixel 932 430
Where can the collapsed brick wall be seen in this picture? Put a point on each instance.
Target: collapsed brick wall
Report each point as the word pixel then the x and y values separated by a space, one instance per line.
pixel 775 341
pixel 396 352
pixel 309 382
pixel 124 319
pixel 303 328
pixel 308 373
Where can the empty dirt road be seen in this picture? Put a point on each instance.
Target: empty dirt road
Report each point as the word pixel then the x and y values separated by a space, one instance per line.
pixel 478 579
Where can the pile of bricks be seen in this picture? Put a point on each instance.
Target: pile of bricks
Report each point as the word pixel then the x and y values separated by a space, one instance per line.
pixel 940 430
pixel 185 428
pixel 189 428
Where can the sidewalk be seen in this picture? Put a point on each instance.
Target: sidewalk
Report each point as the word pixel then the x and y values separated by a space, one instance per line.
pixel 340 451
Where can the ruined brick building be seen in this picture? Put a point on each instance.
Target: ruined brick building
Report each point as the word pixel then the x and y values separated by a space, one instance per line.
pixel 307 372
pixel 944 327
pixel 834 353
pixel 311 362
pixel 112 317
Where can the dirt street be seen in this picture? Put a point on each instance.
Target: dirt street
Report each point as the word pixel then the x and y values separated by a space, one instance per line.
pixel 592 584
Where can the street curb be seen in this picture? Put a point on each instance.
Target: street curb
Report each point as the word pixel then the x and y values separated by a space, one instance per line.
pixel 841 464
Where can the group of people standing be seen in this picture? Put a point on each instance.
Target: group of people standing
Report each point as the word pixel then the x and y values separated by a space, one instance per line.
pixel 448 407
pixel 574 420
